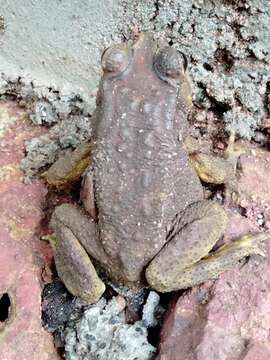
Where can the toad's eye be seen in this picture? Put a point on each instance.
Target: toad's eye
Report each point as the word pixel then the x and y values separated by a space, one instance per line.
pixel 116 59
pixel 170 63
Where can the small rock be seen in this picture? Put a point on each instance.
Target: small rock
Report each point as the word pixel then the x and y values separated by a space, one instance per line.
pixel 220 145
pixel 102 333
pixel 149 308
pixel 57 305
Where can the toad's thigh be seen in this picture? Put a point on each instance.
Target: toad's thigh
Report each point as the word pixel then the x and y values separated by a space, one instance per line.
pixel 72 230
pixel 193 235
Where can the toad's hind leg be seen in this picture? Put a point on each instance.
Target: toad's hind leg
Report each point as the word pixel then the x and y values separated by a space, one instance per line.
pixel 185 260
pixel 74 233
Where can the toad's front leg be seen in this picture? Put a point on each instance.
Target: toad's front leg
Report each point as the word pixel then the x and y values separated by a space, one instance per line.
pixel 185 260
pixel 216 170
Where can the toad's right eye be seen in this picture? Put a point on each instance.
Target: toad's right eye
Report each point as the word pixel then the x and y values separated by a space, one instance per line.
pixel 116 59
pixel 170 63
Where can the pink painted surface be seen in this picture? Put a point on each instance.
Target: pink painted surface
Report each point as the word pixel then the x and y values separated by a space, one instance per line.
pixel 23 257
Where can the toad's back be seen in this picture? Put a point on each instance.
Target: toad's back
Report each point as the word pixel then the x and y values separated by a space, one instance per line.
pixel 141 174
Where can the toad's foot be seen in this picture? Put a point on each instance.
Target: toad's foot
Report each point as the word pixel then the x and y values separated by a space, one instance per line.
pixel 69 168
pixel 222 259
pixel 216 170
pixel 175 269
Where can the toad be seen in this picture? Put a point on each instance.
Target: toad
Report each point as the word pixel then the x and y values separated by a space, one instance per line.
pixel 144 220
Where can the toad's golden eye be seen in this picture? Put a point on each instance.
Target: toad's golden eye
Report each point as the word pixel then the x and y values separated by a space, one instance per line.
pixel 116 59
pixel 170 63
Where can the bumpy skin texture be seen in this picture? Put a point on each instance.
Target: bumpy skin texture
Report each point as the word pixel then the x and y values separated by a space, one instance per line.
pixel 140 168
pixel 145 199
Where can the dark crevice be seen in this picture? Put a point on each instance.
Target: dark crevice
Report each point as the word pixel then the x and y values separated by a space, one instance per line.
pixel 214 190
pixel 252 57
pixel 266 99
pixel 156 12
pixel 242 211
pixel 5 307
pixel 217 107
pixel 238 5
pixel 166 300
pixel 170 25
pixel 208 67
pixel 224 58
pixel 237 31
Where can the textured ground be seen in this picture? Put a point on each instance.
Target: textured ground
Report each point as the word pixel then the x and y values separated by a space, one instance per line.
pixel 49 64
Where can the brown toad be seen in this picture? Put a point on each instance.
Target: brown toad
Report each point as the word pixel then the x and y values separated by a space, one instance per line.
pixel 145 217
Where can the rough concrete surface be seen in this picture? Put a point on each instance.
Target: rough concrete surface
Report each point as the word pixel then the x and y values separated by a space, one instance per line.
pixel 50 59
pixel 101 332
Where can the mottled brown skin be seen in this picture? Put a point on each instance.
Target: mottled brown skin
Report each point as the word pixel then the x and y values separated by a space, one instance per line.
pixel 144 203
pixel 140 167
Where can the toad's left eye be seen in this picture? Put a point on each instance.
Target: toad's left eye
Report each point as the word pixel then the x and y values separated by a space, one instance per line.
pixel 116 59
pixel 170 63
